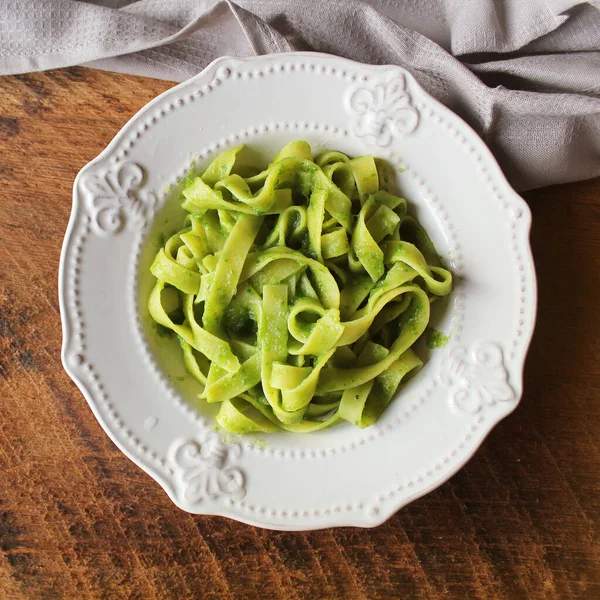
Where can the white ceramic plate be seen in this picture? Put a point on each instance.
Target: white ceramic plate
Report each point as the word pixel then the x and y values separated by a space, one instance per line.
pixel 136 386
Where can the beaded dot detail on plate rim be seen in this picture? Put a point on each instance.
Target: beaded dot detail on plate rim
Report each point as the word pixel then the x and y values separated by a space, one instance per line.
pixel 77 356
pixel 515 212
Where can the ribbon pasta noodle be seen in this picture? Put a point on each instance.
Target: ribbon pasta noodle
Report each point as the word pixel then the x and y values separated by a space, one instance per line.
pixel 297 292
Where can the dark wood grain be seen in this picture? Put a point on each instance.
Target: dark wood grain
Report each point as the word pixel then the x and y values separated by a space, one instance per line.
pixel 79 520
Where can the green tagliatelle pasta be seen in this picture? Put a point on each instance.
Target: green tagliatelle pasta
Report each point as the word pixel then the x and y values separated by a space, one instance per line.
pixel 297 292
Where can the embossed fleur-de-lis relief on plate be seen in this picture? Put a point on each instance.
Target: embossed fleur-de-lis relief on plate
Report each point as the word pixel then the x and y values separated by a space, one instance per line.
pixel 115 199
pixel 204 469
pixel 381 110
pixel 476 378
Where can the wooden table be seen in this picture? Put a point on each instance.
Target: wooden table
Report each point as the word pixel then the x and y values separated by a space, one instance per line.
pixel 79 520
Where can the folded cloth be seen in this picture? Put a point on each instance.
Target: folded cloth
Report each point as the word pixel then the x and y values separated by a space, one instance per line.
pixel 524 74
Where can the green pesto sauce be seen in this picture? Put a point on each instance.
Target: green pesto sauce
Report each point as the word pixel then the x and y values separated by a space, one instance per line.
pixel 436 339
pixel 233 438
pixel 259 443
pixel 157 328
pixel 226 436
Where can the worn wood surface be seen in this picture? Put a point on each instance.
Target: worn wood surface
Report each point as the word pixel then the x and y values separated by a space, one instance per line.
pixel 78 520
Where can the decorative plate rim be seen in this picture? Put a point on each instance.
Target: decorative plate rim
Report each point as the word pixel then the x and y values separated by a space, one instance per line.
pixel 484 426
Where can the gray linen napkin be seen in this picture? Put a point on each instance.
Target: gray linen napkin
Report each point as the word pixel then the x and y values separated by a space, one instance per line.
pixel 524 73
